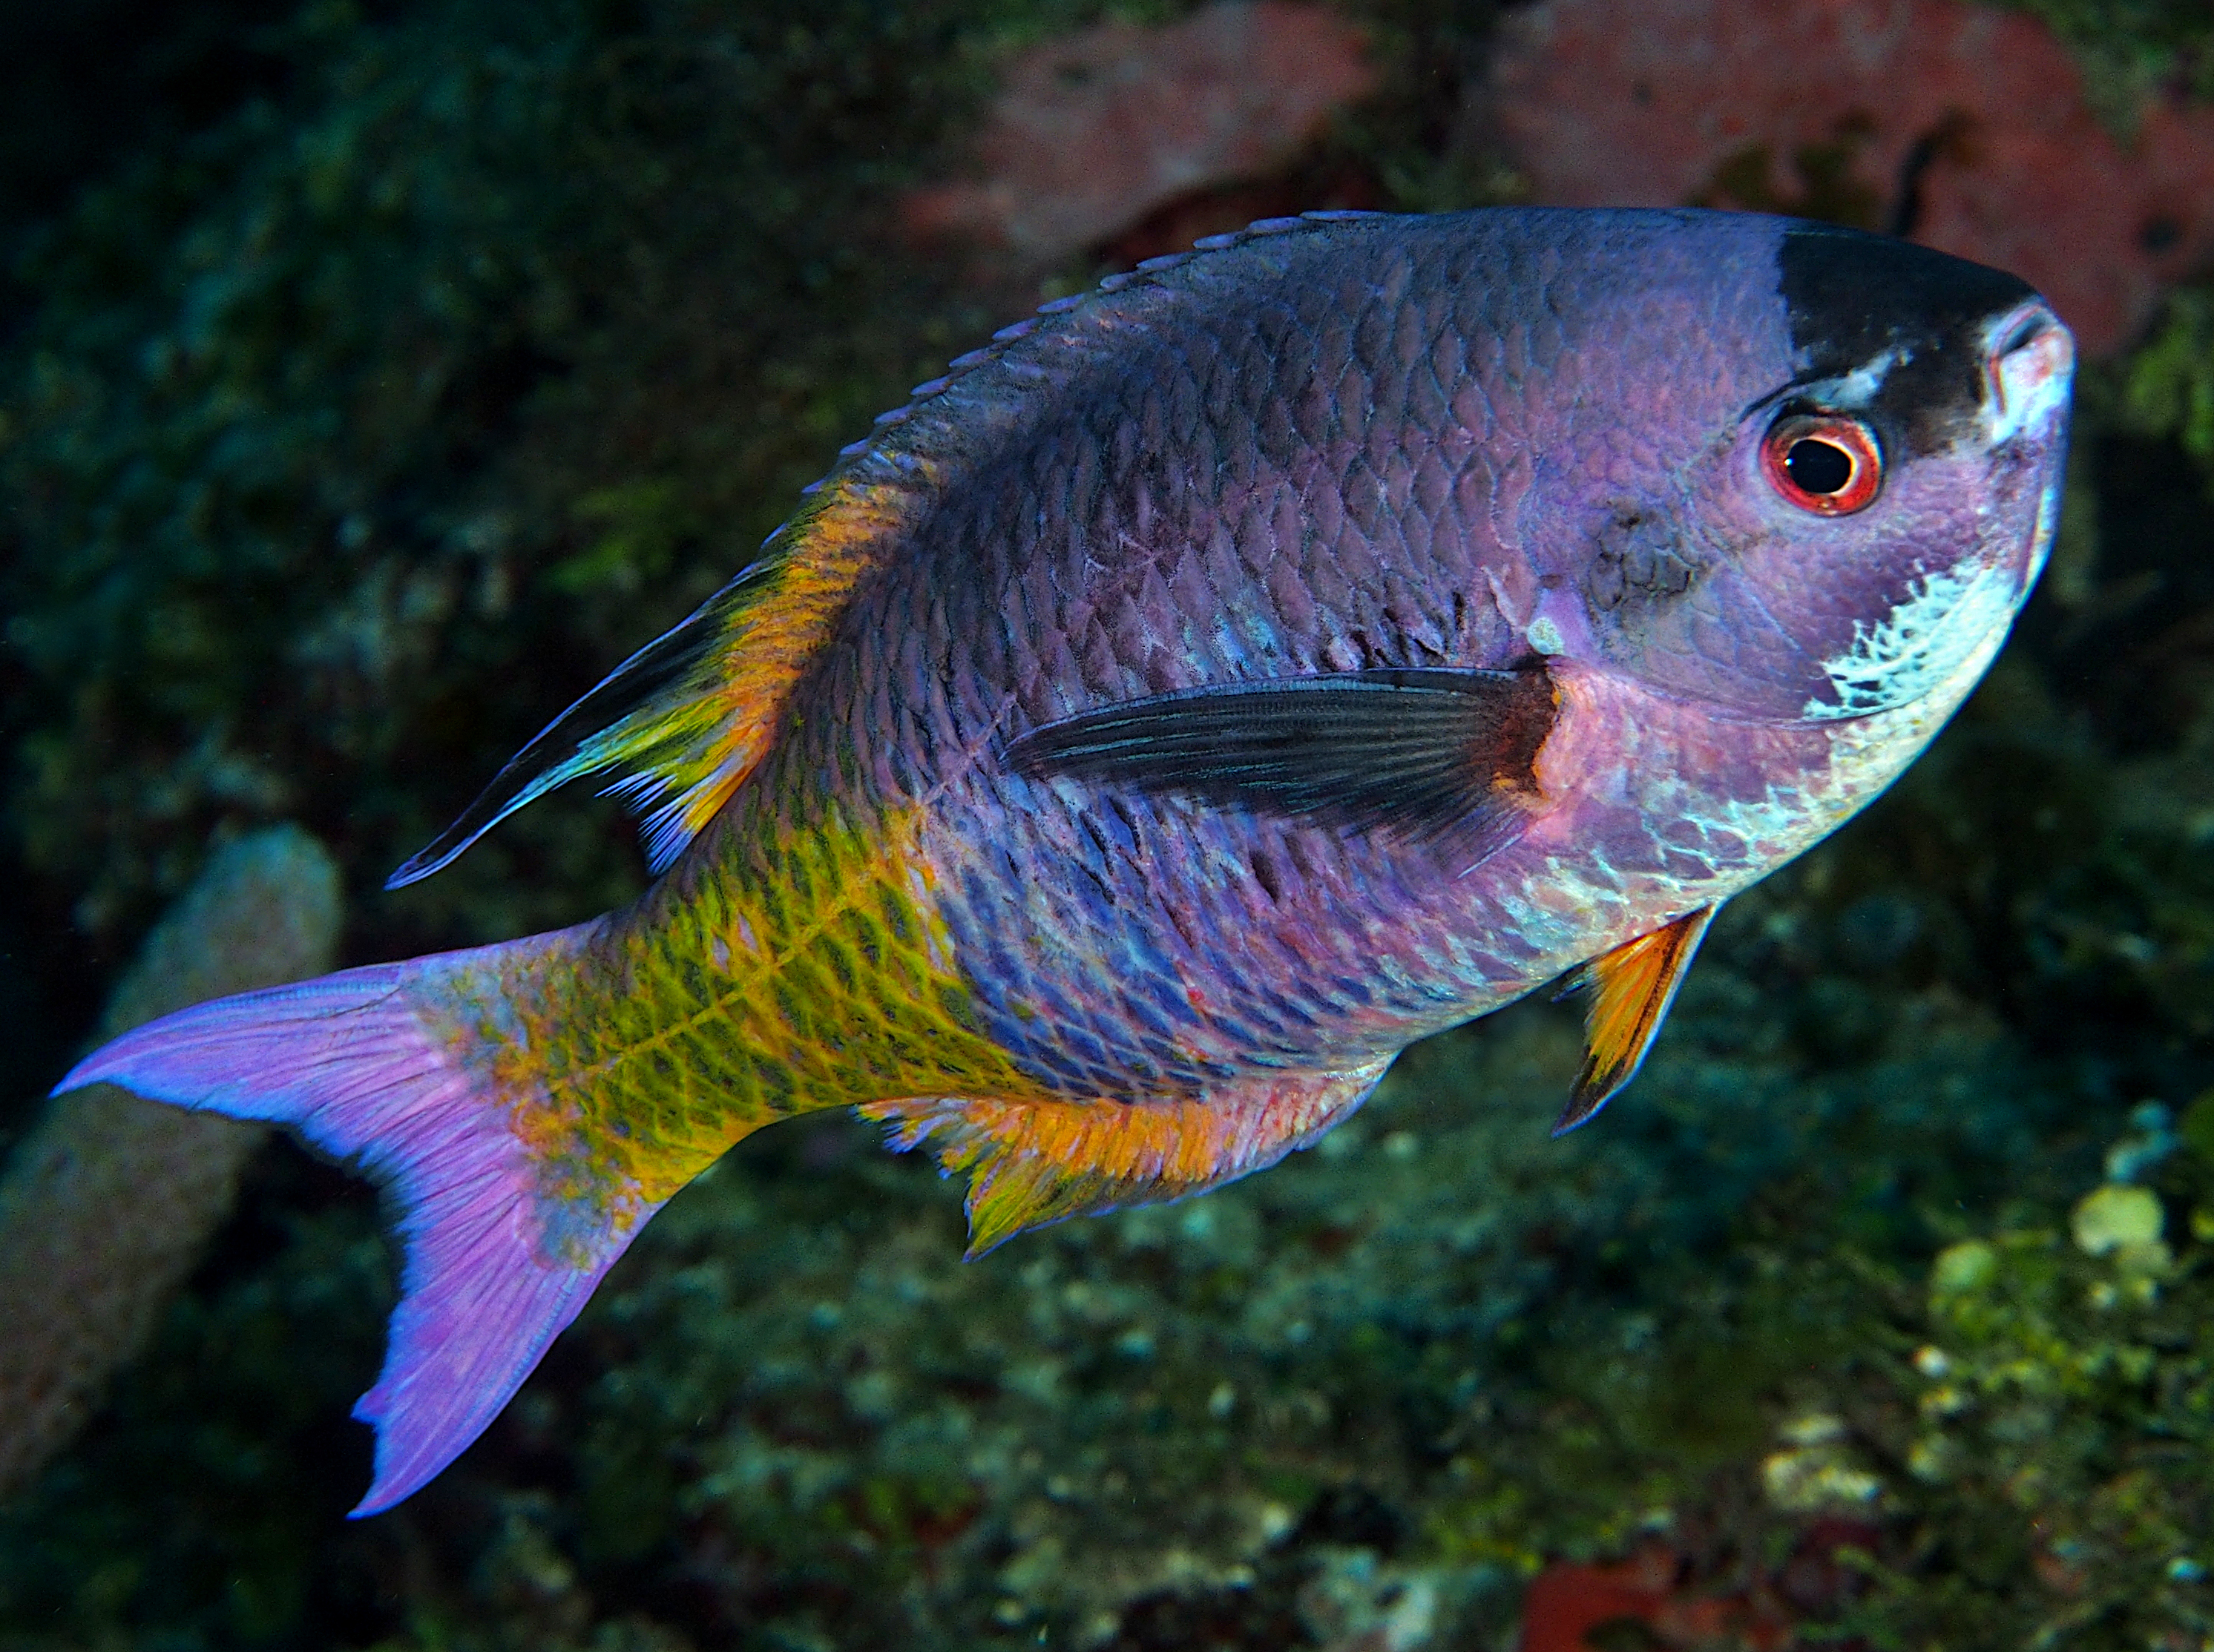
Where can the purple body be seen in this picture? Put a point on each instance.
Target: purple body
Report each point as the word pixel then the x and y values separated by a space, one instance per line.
pixel 1463 441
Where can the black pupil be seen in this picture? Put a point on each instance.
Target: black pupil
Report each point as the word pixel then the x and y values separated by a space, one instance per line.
pixel 1818 466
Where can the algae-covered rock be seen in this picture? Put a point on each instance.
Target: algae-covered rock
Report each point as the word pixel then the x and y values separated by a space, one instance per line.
pixel 2054 1430
pixel 350 440
pixel 109 1201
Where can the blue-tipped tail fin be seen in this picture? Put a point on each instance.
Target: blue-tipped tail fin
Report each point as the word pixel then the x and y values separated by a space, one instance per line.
pixel 485 1286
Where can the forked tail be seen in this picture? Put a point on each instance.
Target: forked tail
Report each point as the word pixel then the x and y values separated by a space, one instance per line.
pixel 495 1266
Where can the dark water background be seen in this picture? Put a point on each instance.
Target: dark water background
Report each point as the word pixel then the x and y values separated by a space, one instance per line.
pixel 374 377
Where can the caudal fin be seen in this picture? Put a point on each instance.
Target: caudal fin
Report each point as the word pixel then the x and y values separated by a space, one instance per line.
pixel 493 1271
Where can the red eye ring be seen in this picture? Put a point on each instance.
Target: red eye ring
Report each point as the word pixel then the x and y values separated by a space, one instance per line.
pixel 1825 463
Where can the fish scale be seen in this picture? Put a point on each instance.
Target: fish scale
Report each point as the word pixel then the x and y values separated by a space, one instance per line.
pixel 808 975
pixel 1342 580
pixel 1208 687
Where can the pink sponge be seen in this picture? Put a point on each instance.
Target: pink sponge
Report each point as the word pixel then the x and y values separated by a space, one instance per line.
pixel 1964 125
pixel 1095 129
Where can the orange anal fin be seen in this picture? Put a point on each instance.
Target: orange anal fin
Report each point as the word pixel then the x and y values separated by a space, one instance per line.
pixel 1032 1162
pixel 1630 988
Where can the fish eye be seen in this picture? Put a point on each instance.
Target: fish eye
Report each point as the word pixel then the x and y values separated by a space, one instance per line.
pixel 1825 463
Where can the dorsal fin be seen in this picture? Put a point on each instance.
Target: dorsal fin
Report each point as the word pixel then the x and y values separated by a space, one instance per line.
pixel 688 717
pixel 1631 987
pixel 1032 1162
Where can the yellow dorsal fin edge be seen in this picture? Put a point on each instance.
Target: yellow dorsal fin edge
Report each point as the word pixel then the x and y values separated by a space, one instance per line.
pixel 687 717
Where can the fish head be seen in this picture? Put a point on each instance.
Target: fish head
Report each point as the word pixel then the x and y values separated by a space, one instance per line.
pixel 1848 521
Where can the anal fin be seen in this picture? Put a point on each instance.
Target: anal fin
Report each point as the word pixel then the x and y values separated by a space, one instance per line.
pixel 1033 1162
pixel 1630 988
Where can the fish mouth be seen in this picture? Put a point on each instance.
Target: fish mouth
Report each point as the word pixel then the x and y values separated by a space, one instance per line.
pixel 2029 367
pixel 2030 372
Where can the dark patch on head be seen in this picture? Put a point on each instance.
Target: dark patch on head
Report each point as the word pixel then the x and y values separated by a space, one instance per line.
pixel 1636 558
pixel 1850 296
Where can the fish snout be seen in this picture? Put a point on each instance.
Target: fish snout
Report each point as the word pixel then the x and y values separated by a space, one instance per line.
pixel 2029 365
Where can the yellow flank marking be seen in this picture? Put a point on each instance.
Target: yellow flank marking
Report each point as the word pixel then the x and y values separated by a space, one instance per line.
pixel 1037 1161
pixel 799 970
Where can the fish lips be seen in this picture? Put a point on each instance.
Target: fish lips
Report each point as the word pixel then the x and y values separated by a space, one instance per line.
pixel 2029 368
pixel 2032 373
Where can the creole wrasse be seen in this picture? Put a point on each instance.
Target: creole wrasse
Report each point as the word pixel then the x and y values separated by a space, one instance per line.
pixel 1290 650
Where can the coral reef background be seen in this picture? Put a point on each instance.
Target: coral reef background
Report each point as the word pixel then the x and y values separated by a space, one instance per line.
pixel 107 1202
pixel 374 376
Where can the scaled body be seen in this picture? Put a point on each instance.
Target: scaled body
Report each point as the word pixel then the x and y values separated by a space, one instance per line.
pixel 1295 650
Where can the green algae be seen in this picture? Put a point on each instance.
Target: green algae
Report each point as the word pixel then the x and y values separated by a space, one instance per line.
pixel 2168 389
pixel 2130 49
pixel 335 435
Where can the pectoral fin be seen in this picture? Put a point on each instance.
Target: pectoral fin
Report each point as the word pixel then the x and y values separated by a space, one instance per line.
pixel 1630 988
pixel 1428 752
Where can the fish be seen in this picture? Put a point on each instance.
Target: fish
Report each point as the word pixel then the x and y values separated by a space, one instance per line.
pixel 1216 682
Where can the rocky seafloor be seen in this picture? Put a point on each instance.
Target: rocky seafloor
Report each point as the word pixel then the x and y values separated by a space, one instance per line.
pixel 381 375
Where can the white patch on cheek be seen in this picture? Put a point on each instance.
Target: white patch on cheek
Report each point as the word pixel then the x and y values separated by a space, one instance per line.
pixel 1936 643
pixel 1941 638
